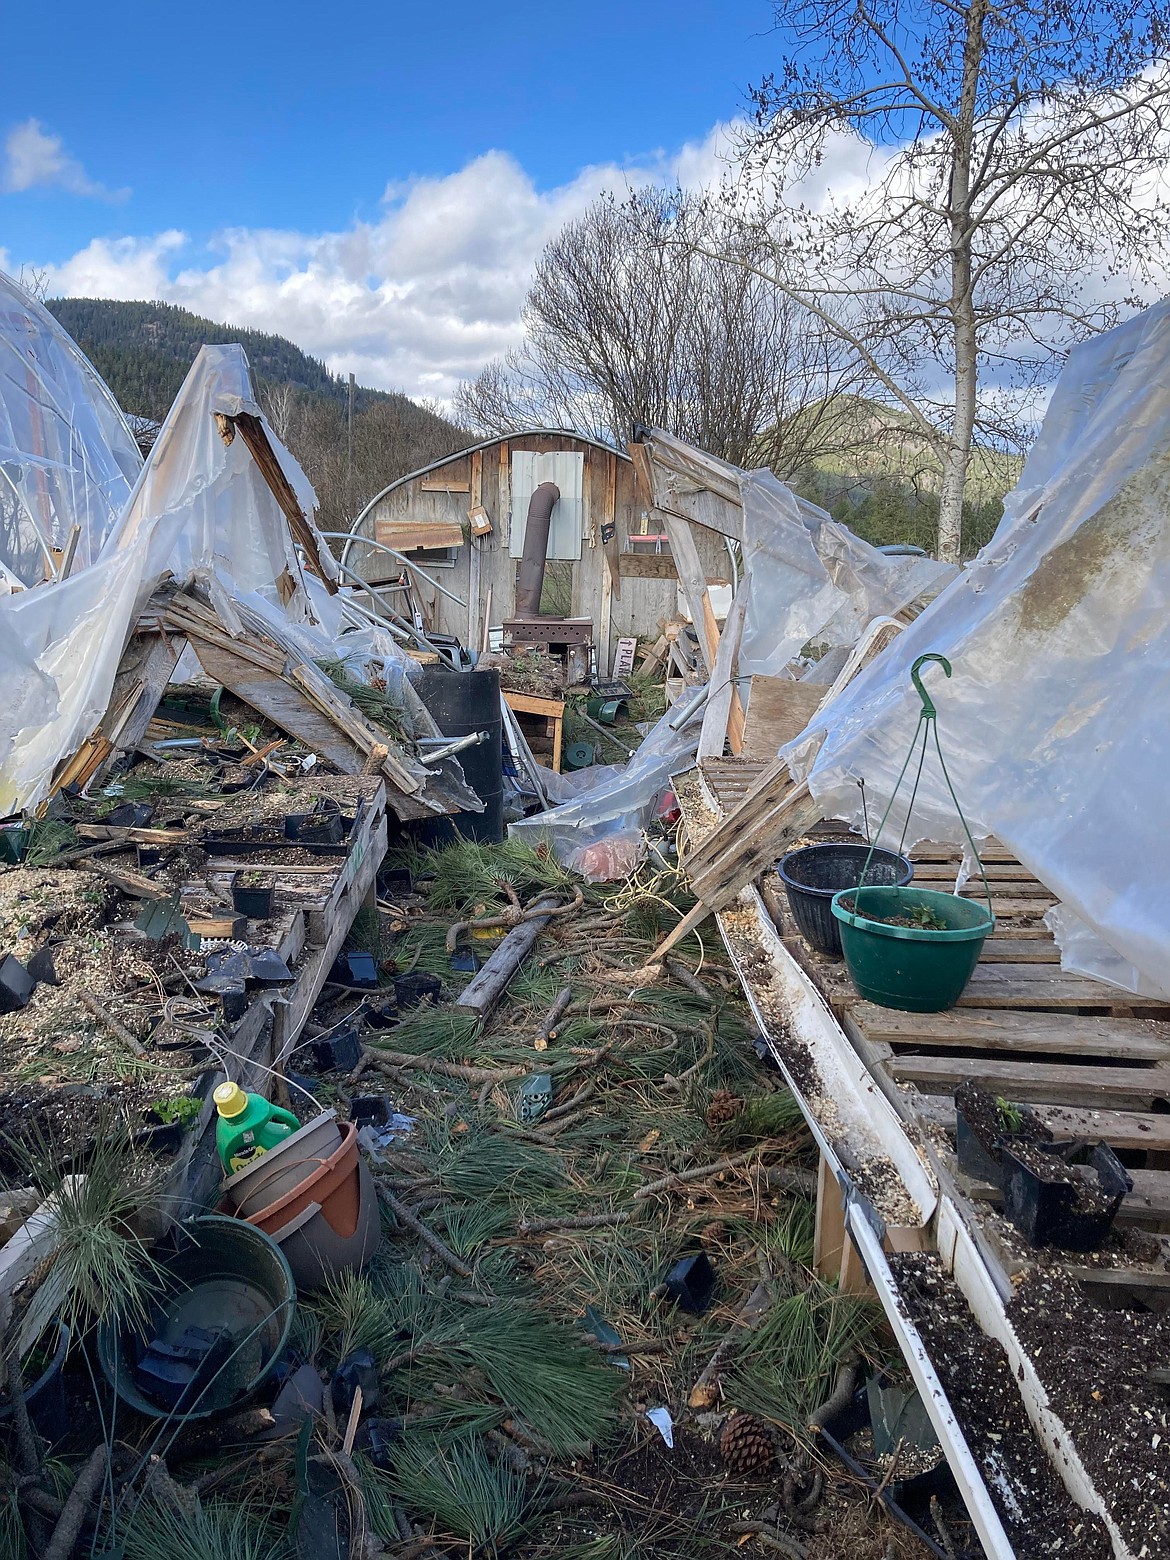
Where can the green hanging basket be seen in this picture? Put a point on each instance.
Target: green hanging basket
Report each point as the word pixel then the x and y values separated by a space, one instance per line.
pixel 919 968
pixel 913 948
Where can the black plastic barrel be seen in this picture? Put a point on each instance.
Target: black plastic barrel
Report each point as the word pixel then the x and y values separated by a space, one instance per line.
pixel 814 873
pixel 463 702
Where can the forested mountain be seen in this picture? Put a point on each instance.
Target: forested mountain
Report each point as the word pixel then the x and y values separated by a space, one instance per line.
pixel 143 352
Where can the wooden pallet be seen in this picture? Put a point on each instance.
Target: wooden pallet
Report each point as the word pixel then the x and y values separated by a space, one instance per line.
pixel 1092 1060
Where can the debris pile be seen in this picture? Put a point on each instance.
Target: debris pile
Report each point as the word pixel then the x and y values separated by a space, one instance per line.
pixel 592 1321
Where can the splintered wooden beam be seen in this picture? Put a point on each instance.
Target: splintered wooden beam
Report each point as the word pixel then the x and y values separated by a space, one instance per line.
pixel 677 478
pixel 482 993
pixel 751 837
pixel 252 432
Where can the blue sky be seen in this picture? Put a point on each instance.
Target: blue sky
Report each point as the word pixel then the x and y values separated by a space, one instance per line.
pixel 300 114
pixel 373 181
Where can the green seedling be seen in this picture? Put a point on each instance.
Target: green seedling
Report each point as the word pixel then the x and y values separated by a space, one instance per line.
pixel 183 1108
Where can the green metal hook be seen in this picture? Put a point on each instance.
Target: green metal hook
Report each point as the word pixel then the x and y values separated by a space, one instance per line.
pixel 928 710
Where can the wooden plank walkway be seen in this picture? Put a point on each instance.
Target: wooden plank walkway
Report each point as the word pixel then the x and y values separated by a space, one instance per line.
pixel 1093 1061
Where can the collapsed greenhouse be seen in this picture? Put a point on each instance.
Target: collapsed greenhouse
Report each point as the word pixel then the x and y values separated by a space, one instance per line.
pixel 755 1142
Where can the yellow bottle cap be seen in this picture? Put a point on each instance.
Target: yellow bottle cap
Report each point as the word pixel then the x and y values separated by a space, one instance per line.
pixel 230 1100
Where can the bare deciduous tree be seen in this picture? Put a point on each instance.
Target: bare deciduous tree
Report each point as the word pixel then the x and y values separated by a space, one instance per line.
pixel 391 436
pixel 634 317
pixel 278 402
pixel 1012 206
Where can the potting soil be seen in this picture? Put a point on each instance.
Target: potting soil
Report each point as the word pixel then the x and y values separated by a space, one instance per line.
pixel 1094 1363
pixel 1040 1516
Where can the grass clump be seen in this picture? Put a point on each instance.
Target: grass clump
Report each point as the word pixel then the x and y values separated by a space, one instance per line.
pixel 94 1263
pixel 490 1165
pixel 47 838
pixel 543 1372
pixel 468 1495
pixel 214 1530
pixel 763 1116
pixel 427 1030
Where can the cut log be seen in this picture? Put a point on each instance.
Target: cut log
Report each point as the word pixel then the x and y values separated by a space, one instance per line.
pixel 485 990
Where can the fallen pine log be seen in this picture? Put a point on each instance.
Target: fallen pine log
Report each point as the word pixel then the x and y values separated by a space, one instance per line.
pixel 485 990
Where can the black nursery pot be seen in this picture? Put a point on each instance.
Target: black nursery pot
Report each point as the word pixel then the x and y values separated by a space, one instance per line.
pixel 255 903
pixel 691 1283
pixel 159 1136
pixel 16 984
pixel 45 1398
pixel 234 1000
pixel 1044 1210
pixel 338 1052
pixel 974 1159
pixel 371 1110
pixel 233 842
pixel 814 873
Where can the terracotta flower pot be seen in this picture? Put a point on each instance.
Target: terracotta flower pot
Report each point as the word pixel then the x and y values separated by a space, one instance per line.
pixel 273 1175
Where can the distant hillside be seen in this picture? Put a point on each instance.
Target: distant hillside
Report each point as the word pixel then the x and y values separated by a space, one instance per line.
pixel 143 352
pixel 883 478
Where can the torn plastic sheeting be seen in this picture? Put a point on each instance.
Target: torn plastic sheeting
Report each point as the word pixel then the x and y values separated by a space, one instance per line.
pixel 233 531
pixel 599 834
pixel 1059 635
pixel 200 509
pixel 60 646
pixel 1082 952
pixel 67 456
pixel 813 579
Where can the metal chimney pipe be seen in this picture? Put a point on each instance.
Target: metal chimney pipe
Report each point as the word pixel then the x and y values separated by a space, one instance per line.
pixel 535 555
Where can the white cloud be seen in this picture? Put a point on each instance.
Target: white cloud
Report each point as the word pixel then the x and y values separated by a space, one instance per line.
pixel 417 299
pixel 34 159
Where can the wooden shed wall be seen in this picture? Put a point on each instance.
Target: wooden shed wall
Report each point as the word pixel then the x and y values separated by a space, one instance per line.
pixel 446 492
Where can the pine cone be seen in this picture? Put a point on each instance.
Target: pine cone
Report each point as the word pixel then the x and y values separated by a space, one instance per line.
pixel 714 1234
pixel 724 1107
pixel 748 1445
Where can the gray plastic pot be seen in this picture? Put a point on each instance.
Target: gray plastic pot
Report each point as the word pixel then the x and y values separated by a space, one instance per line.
pixel 282 1169
pixel 316 1253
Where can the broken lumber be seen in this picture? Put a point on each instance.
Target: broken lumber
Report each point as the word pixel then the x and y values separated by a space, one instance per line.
pixel 751 837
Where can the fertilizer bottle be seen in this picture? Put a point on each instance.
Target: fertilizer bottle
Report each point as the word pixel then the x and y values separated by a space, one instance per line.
pixel 248 1126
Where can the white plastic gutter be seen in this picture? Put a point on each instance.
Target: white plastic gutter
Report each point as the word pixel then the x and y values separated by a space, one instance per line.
pixel 967 1473
pixel 870 1125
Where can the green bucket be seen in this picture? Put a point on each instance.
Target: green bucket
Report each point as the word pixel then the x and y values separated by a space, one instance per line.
pixel 911 967
pixel 227 1276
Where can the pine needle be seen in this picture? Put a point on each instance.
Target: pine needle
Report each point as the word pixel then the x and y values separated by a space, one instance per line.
pixel 466 1493
pixel 215 1530
pixel 542 1371
pixel 786 1368
pixel 374 703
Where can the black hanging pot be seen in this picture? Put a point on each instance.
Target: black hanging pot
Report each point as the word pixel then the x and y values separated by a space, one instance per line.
pixel 814 873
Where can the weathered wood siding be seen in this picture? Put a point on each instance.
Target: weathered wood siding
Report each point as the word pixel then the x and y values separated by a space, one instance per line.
pixel 446 492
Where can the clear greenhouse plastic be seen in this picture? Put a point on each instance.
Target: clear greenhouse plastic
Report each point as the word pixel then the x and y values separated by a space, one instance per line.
pixel 199 511
pixel 67 456
pixel 812 579
pixel 599 834
pixel 1053 723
